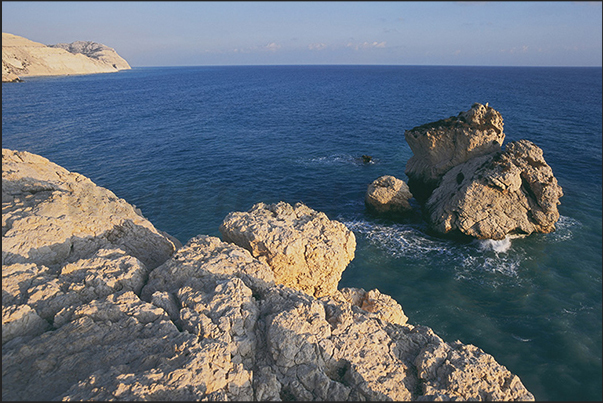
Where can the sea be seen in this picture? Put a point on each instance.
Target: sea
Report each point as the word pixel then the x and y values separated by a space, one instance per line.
pixel 188 145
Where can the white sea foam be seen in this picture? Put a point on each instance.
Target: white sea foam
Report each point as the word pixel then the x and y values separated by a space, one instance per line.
pixel 335 159
pixel 508 265
pixel 501 246
pixel 564 229
pixel 400 240
pixel 521 338
pixel 492 262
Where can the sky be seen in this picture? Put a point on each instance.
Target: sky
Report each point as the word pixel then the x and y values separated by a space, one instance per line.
pixel 341 32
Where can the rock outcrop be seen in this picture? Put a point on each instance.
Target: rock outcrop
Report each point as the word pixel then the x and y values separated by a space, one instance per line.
pixel 388 194
pixel 51 216
pixel 212 322
pixel 441 145
pixel 304 249
pixel 22 57
pixel 96 51
pixel 471 186
pixel 488 197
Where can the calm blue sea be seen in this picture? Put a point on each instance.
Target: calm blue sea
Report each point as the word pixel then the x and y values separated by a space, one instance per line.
pixel 188 145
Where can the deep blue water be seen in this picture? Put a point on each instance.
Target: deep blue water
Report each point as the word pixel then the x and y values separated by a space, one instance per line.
pixel 188 145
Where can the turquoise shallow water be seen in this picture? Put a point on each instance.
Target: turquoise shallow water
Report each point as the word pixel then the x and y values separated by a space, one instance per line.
pixel 188 145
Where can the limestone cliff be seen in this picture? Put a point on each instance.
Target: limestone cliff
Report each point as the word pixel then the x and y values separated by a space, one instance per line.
pixel 96 51
pixel 99 305
pixel 22 57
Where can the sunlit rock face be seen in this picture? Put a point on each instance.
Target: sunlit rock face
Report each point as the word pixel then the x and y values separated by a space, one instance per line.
pixel 305 249
pixel 116 311
pixel 22 57
pixel 489 197
pixel 441 145
pixel 473 186
pixel 51 216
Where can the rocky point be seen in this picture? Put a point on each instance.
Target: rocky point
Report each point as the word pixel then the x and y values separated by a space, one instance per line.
pixel 97 304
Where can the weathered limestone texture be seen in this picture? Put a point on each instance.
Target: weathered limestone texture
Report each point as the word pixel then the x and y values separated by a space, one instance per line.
pixel 388 194
pixel 22 57
pixel 305 249
pixel 51 216
pixel 470 185
pixel 439 146
pixel 209 322
pixel 513 192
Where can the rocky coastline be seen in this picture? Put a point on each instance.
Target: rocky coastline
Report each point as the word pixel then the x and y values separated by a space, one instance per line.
pixel 22 58
pixel 99 304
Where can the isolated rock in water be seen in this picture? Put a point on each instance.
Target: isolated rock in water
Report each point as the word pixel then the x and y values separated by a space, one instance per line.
pixel 305 249
pixel 388 194
pixel 513 192
pixel 51 216
pixel 439 146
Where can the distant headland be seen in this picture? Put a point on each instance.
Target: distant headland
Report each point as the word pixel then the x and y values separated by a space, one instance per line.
pixel 22 57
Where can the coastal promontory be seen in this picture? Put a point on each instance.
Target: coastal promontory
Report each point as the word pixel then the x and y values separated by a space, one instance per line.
pixel 98 304
pixel 22 57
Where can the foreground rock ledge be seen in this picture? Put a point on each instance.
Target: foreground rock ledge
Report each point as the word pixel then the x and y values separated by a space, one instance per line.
pixel 210 322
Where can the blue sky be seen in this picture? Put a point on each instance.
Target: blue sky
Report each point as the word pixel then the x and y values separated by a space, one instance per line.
pixel 265 33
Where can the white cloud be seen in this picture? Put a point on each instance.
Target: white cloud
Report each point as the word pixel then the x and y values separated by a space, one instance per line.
pixel 272 46
pixel 317 46
pixel 365 45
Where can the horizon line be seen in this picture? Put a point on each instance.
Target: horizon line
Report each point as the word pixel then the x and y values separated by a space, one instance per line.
pixel 365 64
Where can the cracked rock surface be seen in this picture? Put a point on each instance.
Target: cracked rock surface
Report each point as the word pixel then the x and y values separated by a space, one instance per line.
pixel 305 249
pixel 388 194
pixel 469 184
pixel 513 192
pixel 210 322
pixel 441 145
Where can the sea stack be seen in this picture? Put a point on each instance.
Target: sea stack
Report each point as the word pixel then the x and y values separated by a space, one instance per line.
pixel 470 185
pixel 443 144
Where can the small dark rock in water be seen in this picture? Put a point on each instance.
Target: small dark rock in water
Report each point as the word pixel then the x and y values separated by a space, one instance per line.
pixel 367 159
